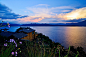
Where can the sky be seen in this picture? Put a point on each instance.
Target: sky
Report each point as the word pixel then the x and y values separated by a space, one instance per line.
pixel 42 11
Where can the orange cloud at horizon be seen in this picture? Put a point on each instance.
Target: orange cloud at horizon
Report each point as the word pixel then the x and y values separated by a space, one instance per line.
pixel 75 14
pixel 30 19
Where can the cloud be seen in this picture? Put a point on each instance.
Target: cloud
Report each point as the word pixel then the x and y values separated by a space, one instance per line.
pixel 42 5
pixel 42 11
pixel 65 10
pixel 53 20
pixel 26 20
pixel 64 13
pixel 75 14
pixel 5 13
pixel 74 20
pixel 63 7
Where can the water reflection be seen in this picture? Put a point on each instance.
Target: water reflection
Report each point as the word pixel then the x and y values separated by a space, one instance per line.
pixel 12 28
pixel 76 36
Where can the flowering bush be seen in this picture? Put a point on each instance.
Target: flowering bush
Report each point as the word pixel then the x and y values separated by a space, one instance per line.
pixel 5 25
pixel 5 44
pixel 13 41
pixel 8 24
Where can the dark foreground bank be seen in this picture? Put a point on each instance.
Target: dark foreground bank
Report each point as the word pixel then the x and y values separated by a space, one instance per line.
pixel 41 46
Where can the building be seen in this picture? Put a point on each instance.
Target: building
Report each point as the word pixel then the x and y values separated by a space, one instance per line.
pixel 21 33
pixel 4 32
pixel 28 31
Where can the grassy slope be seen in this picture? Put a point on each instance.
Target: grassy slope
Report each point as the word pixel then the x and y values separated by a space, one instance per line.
pixel 42 46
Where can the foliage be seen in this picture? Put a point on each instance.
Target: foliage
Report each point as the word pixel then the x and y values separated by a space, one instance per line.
pixel 40 48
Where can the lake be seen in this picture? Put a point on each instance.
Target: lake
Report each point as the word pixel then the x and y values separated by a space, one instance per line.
pixel 73 36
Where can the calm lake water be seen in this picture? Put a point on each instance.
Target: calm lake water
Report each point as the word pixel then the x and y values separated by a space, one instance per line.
pixel 74 36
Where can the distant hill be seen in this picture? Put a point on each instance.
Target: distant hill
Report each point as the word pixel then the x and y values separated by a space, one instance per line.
pixel 83 23
pixel 14 24
pixel 10 24
pixel 2 24
pixel 35 24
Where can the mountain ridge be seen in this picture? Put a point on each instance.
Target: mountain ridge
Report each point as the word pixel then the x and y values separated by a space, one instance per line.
pixel 83 23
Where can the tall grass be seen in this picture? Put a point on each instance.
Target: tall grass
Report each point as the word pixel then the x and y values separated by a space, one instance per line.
pixel 35 50
pixel 6 51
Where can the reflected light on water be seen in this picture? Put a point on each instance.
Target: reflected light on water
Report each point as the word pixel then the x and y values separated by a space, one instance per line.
pixel 75 36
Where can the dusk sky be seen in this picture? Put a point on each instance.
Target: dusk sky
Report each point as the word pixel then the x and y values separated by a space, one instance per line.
pixel 42 11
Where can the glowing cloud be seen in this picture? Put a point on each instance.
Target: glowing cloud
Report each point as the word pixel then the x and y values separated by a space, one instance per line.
pixel 75 14
pixel 42 11
pixel 29 19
